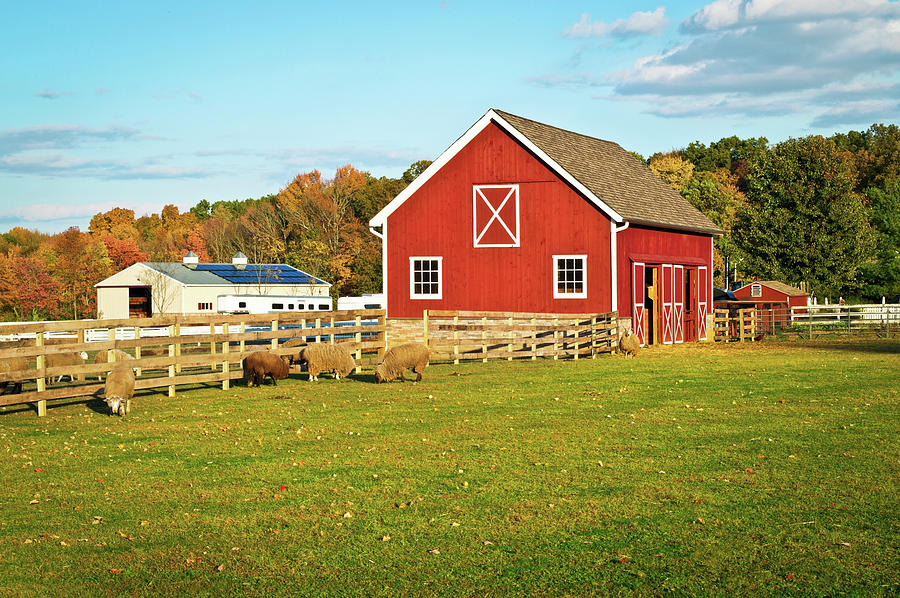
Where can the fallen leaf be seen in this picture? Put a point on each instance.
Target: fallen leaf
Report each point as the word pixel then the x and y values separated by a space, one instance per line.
pixel 34 502
pixel 385 538
pixel 115 570
pixel 488 543
pixel 434 551
pixel 220 568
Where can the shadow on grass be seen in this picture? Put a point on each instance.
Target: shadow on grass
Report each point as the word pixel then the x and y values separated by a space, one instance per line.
pixel 870 345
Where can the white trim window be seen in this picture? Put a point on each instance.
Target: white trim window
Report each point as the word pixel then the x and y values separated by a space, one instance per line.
pixel 569 276
pixel 425 277
pixel 488 201
pixel 756 290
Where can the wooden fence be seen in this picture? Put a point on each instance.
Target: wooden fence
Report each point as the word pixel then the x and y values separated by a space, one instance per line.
pixel 461 335
pixel 741 326
pixel 174 350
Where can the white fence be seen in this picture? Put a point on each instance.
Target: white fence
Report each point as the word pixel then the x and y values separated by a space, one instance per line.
pixel 876 317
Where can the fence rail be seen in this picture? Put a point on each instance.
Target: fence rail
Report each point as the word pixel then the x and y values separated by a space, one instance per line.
pixel 170 351
pixel 471 335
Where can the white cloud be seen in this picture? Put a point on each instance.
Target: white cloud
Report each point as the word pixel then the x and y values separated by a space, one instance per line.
pixel 638 23
pixel 43 212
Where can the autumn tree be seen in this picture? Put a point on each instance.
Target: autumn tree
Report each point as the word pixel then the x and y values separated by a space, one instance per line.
pixel 27 291
pixel 123 252
pixel 672 169
pixel 803 220
pixel 117 222
pixel 78 262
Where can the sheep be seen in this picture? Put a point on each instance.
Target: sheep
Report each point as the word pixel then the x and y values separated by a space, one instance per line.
pixel 322 357
pixel 119 390
pixel 260 364
pixel 629 343
pixel 9 365
pixel 54 360
pixel 103 357
pixel 396 360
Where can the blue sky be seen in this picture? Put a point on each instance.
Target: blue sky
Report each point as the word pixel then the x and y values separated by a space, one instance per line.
pixel 142 104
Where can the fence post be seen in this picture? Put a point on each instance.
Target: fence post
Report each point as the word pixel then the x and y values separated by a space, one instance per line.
pixel 212 344
pixel 382 337
pixel 555 337
pixel 331 336
pixel 456 339
pixel 593 336
pixel 809 319
pixel 512 336
pixel 243 330
pixel 275 339
pixel 80 338
pixel 358 368
pixel 137 349
pixel 577 338
pixel 484 338
pixel 318 330
pixel 226 369
pixel 173 354
pixel 533 338
pixel 425 327
pixel 177 349
pixel 40 364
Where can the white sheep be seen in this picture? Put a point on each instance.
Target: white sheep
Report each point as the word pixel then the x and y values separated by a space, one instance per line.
pixel 119 390
pixel 413 356
pixel 54 360
pixel 322 357
pixel 629 343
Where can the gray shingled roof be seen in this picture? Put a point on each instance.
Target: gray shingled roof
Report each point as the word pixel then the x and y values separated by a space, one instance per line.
pixel 616 177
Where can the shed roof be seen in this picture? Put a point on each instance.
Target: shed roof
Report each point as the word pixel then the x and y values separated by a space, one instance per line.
pixel 225 274
pixel 778 286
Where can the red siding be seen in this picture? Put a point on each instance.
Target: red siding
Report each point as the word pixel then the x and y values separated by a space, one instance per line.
pixel 437 220
pixel 654 246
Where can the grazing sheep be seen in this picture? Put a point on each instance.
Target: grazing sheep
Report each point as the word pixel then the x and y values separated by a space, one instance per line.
pixel 260 364
pixel 55 360
pixel 119 389
pixel 629 343
pixel 322 357
pixel 8 365
pixel 396 360
pixel 103 357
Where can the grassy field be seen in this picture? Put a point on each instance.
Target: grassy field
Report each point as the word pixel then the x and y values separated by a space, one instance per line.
pixel 762 469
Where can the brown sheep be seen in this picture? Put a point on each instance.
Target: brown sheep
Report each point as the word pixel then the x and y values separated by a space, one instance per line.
pixel 8 365
pixel 55 360
pixel 322 357
pixel 260 364
pixel 103 357
pixel 119 390
pixel 396 360
pixel 629 343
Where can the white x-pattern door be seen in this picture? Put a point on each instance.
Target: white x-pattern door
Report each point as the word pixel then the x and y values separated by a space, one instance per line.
pixel 495 215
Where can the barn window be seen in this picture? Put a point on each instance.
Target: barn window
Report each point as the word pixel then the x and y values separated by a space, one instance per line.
pixel 495 215
pixel 425 277
pixel 278 306
pixel 242 304
pixel 311 307
pixel 756 290
pixel 290 306
pixel 323 306
pixel 570 276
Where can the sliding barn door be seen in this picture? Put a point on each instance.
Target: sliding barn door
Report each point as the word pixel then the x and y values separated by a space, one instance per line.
pixel 638 324
pixel 678 314
pixel 667 293
pixel 702 299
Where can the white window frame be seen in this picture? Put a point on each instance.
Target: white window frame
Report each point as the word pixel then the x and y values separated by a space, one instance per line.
pixel 583 293
pixel 477 196
pixel 756 290
pixel 412 277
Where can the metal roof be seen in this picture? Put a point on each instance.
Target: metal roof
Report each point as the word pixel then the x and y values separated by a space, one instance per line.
pixel 219 274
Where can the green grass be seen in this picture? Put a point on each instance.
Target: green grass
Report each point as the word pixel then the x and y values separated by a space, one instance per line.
pixel 762 469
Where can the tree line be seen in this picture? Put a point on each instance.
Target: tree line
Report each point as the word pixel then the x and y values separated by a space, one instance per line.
pixel 824 211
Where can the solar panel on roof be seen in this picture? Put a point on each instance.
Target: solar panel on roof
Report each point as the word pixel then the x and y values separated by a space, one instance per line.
pixel 260 273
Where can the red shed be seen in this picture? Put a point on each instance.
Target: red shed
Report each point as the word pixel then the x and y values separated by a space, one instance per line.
pixel 770 293
pixel 521 216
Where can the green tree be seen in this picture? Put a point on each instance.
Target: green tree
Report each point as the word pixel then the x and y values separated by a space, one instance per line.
pixel 881 275
pixel 803 221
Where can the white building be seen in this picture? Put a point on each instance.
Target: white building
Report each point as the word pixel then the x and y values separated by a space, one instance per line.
pixel 148 289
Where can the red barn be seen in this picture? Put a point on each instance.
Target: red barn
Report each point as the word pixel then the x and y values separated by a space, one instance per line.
pixel 521 216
